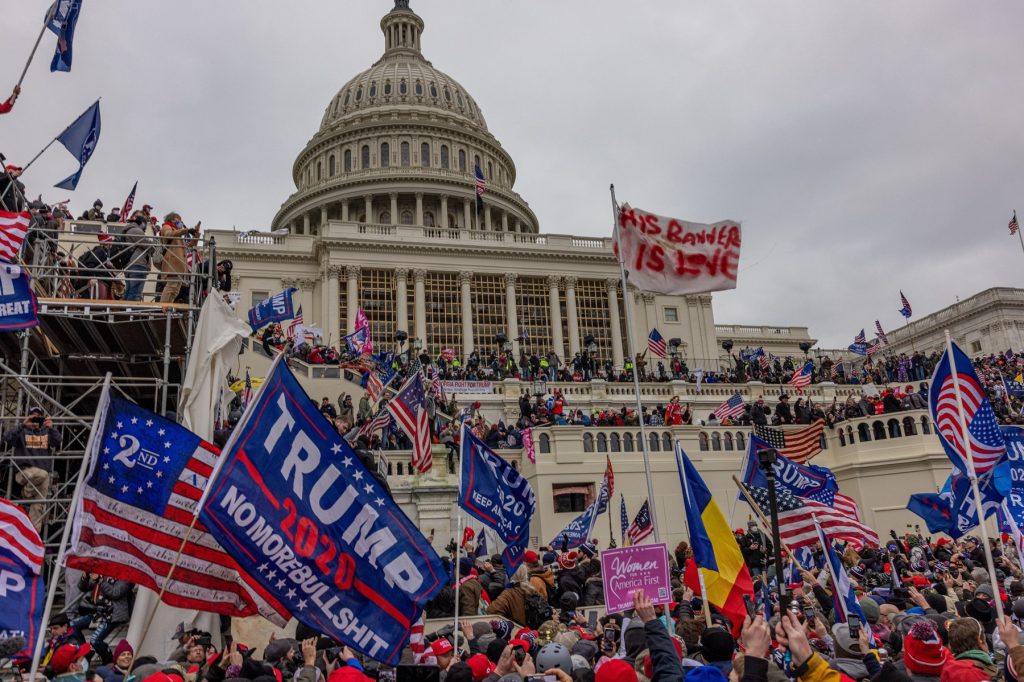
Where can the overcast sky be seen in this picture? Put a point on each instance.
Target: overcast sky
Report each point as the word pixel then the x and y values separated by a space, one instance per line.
pixel 867 147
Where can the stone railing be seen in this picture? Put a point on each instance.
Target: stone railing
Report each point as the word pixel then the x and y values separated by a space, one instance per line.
pixel 744 331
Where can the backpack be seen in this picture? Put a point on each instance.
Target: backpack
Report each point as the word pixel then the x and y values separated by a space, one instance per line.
pixel 538 611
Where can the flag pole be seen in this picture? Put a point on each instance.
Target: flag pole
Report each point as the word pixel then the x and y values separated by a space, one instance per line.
pixel 458 539
pixel 50 143
pixel 167 581
pixel 46 22
pixel 1019 235
pixel 760 515
pixel 652 501
pixel 686 511
pixel 971 474
pixel 835 581
pixel 76 500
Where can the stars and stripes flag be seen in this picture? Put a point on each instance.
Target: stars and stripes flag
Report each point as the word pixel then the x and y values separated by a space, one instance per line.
pixel 733 407
pixel 801 379
pixel 13 227
pixel 861 338
pixel 409 409
pixel 374 386
pixel 798 445
pixel 846 505
pixel 247 390
pixel 1014 225
pixel 641 528
pixel 796 520
pixel 607 487
pixel 126 209
pixel 873 348
pixel 905 311
pixel 765 360
pixel 844 596
pixel 19 540
pixel 836 369
pixel 623 518
pixel 294 325
pixel 144 479
pixel 656 344
pixel 881 334
pixel 378 423
pixel 481 186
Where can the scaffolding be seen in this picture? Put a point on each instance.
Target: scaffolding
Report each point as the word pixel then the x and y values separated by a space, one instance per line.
pixel 84 332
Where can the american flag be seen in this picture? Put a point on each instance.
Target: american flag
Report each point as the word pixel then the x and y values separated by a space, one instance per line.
pixel 19 540
pixel 874 348
pixel 296 322
pixel 881 334
pixel 733 407
pixel 905 311
pixel 796 520
pixel 798 445
pixel 607 487
pixel 1014 225
pixel 247 390
pixel 765 360
pixel 409 409
pixel 861 338
pixel 801 379
pixel 374 386
pixel 656 344
pixel 641 528
pixel 481 185
pixel 372 426
pixel 834 373
pixel 146 475
pixel 623 518
pixel 128 203
pixel 13 227
pixel 847 505
pixel 437 387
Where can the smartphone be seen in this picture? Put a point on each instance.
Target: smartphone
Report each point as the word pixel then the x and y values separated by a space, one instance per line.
pixel 809 615
pixel 854 626
pixel 592 620
pixel 610 635
pixel 750 605
pixel 520 654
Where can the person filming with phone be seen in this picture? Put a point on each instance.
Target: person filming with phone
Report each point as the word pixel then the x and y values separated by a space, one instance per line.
pixel 34 442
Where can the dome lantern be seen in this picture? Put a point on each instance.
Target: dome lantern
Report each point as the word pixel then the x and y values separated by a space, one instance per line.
pixel 402 29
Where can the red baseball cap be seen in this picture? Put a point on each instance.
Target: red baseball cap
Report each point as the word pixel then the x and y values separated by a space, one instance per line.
pixel 481 666
pixel 441 646
pixel 67 654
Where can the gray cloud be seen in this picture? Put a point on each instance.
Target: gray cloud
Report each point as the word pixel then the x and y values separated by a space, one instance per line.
pixel 867 147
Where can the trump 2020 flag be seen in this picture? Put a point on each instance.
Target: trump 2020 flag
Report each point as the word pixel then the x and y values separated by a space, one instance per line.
pixel 21 580
pixel 578 531
pixel 277 308
pixel 80 138
pixel 17 300
pixel 302 515
pixel 494 493
pixel 983 435
pixel 63 21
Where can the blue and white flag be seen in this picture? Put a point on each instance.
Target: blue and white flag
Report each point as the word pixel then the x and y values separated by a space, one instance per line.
pixel 356 341
pixel 1009 478
pixel 858 348
pixel 302 515
pixel 843 594
pixel 809 481
pixel 494 493
pixel 1014 387
pixel 953 510
pixel 277 308
pixel 80 138
pixel 577 532
pixel 22 598
pixel 65 16
pixel 17 300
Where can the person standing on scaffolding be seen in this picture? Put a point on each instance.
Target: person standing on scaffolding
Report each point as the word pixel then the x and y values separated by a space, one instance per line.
pixel 35 442
pixel 175 238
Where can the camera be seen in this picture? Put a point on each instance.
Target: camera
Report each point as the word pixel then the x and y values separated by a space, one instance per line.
pixel 451 547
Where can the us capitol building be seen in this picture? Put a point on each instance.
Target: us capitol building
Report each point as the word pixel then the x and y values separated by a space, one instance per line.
pixel 384 218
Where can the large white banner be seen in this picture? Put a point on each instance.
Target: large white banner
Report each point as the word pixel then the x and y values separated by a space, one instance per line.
pixel 455 386
pixel 671 256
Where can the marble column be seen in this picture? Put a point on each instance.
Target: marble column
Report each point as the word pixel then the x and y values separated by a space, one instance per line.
pixel 420 303
pixel 511 312
pixel 574 320
pixel 504 221
pixel 466 280
pixel 369 207
pixel 468 217
pixel 652 314
pixel 402 299
pixel 394 208
pixel 444 212
pixel 487 219
pixel 352 271
pixel 615 322
pixel 556 316
pixel 419 208
pixel 344 210
pixel 333 319
pixel 323 219
pixel 307 286
pixel 305 223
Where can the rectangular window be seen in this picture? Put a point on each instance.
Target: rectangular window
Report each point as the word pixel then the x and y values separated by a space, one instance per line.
pixel 572 497
pixel 258 297
pixel 671 314
pixel 975 346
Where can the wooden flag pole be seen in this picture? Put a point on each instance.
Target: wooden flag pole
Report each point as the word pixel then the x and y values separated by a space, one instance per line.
pixel 765 523
pixel 166 581
pixel 46 22
pixel 686 501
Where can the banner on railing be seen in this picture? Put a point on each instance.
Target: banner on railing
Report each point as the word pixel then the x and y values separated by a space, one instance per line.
pixel 455 386
pixel 17 301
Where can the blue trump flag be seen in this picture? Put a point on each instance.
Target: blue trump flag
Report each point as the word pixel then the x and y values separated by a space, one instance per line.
pixel 844 597
pixel 277 308
pixel 1014 387
pixel 1012 484
pixel 809 481
pixel 493 492
pixel 21 604
pixel 63 21
pixel 303 516
pixel 80 138
pixel 17 300
pixel 578 531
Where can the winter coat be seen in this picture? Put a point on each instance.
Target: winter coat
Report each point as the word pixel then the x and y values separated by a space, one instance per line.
pixel 664 659
pixel 469 597
pixel 511 605
pixel 543 581
pixel 33 447
pixel 173 239
pixel 593 592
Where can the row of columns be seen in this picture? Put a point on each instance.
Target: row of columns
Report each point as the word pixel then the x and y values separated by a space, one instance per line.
pixel 419 275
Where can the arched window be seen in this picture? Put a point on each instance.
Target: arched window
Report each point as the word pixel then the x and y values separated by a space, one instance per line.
pixel 863 433
pixel 716 441
pixel 727 440
pixel 462 160
pixel 545 443
pixel 909 428
pixel 703 440
pixel 444 156
pixel 359 93
pixel 842 438
pixel 447 94
pixel 433 90
pixel 387 87
pixel 348 160
pixel 654 442
pixel 616 443
pixel 365 156
pixel 385 217
pixel 476 161
pixel 319 171
pixel 428 219
pixel 330 165
pixel 400 469
pixel 404 152
pixel 741 441
pixel 588 442
pixel 451 220
pixel 390 468
pixel 926 427
pixel 602 443
pixel 419 88
pixel 666 441
pixel 849 435
pixel 458 98
pixel 878 428
pixel 894 428
pixel 627 442
pixel 407 217
pixel 373 89
pixel 346 98
pixel 490 170
pixel 403 87
pixel 425 154
pixel 385 155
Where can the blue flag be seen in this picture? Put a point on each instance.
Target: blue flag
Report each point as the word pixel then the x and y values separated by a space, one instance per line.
pixel 952 510
pixel 21 603
pixel 80 138
pixel 302 515
pixel 858 348
pixel 356 341
pixel 1011 482
pixel 843 594
pixel 65 16
pixel 17 300
pixel 277 308
pixel 809 481
pixel 494 493
pixel 578 530
pixel 1014 387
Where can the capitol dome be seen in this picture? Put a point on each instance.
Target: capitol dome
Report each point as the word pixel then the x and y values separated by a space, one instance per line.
pixel 399 144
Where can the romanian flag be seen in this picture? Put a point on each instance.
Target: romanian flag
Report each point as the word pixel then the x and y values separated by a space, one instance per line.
pixel 715 551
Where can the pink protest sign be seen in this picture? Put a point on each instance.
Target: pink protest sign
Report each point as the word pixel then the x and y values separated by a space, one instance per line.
pixel 628 569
